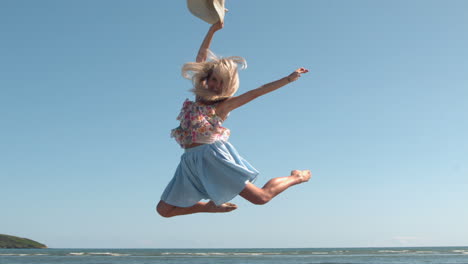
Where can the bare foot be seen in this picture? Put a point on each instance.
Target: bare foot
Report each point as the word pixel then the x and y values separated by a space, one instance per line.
pixel 224 208
pixel 303 175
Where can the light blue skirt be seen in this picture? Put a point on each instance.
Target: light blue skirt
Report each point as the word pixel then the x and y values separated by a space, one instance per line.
pixel 212 171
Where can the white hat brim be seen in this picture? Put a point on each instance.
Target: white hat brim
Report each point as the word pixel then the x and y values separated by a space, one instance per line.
pixel 210 11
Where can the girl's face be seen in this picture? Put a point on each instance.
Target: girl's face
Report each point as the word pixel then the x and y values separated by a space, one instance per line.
pixel 215 84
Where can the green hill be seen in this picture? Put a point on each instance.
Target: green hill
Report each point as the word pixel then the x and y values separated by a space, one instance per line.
pixel 18 242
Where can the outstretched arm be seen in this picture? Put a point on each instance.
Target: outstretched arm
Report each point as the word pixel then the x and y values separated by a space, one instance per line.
pixel 203 52
pixel 223 109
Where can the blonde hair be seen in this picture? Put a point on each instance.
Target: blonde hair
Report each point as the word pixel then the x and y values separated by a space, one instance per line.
pixel 224 68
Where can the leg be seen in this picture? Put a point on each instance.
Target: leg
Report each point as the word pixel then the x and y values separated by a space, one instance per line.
pixel 273 187
pixel 167 210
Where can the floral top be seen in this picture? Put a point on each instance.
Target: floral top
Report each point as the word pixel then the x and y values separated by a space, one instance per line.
pixel 199 124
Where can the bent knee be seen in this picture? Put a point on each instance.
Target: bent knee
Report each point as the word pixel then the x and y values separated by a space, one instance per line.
pixel 164 209
pixel 255 195
pixel 261 200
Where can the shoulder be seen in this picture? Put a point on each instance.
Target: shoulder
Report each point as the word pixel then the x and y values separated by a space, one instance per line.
pixel 188 102
pixel 222 109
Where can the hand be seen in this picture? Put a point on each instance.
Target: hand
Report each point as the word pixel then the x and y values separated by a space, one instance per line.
pixel 217 26
pixel 296 74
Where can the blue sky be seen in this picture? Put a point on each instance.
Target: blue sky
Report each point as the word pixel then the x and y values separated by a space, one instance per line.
pixel 89 91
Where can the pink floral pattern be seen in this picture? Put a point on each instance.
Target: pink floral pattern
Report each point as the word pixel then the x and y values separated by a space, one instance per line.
pixel 199 124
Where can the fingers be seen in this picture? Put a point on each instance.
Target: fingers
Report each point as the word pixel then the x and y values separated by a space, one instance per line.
pixel 296 74
pixel 218 25
pixel 302 70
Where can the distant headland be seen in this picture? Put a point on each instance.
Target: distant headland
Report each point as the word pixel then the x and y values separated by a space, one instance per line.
pixel 18 242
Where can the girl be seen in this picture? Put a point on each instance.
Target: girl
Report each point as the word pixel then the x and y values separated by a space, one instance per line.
pixel 211 168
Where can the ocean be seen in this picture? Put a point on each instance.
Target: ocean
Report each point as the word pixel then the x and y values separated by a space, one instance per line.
pixel 439 255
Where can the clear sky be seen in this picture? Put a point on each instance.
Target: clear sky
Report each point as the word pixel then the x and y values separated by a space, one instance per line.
pixel 89 91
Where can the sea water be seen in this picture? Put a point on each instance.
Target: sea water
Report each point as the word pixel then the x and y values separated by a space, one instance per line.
pixel 439 255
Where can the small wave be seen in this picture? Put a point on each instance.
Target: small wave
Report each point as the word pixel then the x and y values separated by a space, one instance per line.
pixel 179 254
pixel 76 253
pixel 393 251
pixel 255 253
pixel 192 254
pixel 219 253
pixel 98 254
pixel 424 252
pixel 461 251
pixel 108 254
pixel 22 255
pixel 206 254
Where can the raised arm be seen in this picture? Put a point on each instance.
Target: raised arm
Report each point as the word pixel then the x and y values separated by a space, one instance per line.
pixel 203 52
pixel 232 103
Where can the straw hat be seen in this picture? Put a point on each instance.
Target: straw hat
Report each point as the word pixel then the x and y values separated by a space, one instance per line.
pixel 210 11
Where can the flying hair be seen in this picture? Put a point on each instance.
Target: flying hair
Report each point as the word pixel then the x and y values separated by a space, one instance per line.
pixel 224 68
